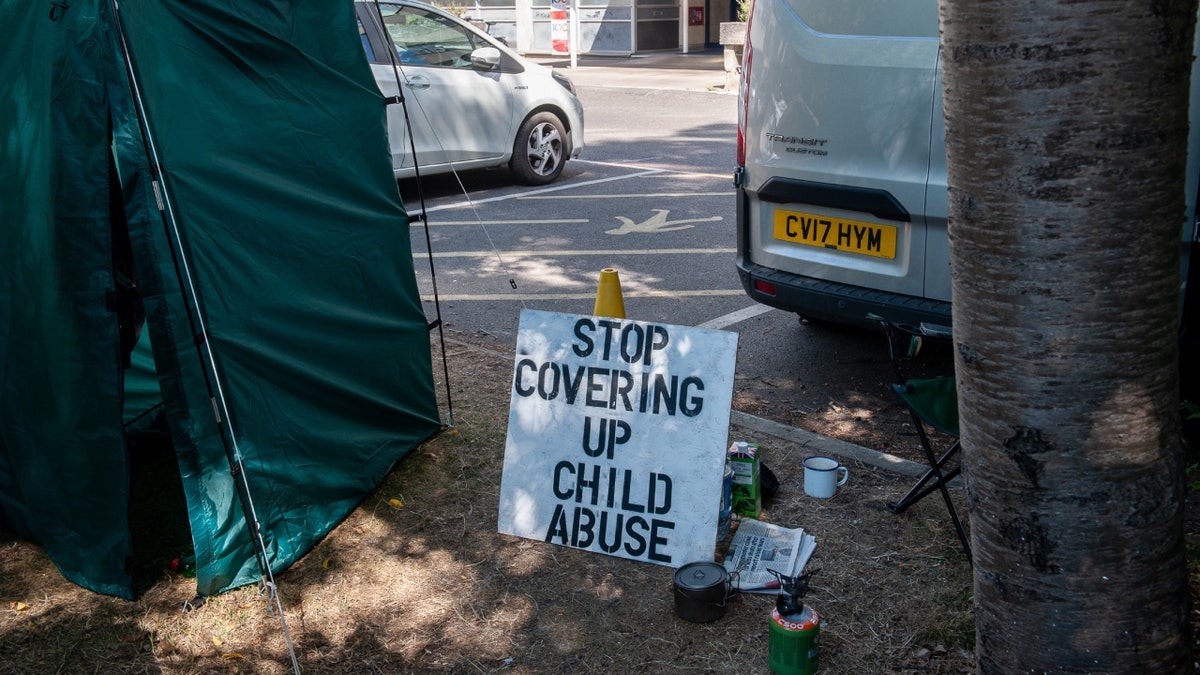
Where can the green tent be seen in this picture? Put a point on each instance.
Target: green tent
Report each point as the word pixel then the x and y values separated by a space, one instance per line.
pixel 230 157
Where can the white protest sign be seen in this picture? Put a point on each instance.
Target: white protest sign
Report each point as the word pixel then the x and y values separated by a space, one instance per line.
pixel 616 436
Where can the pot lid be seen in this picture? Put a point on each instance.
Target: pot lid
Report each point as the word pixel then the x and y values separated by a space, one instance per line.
pixel 700 575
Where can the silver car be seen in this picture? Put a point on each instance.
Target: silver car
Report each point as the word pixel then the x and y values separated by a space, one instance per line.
pixel 472 102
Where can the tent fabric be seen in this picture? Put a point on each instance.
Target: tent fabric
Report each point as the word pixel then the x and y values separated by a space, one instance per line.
pixel 278 284
pixel 142 394
pixel 59 366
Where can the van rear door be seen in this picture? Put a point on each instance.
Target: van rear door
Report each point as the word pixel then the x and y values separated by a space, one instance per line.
pixel 937 243
pixel 838 122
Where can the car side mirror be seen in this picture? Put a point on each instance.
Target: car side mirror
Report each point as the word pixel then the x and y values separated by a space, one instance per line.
pixel 485 58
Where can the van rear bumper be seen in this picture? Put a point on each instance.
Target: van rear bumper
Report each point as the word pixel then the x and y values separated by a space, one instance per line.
pixel 826 300
pixel 837 302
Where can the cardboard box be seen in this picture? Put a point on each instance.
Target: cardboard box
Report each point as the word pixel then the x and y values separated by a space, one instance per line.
pixel 747 492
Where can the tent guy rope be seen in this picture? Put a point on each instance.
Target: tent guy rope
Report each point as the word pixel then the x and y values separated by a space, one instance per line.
pixel 401 100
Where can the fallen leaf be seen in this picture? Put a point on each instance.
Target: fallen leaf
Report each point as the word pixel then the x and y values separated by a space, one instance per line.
pixel 325 563
pixel 396 503
pixel 218 641
pixel 232 655
pixel 20 606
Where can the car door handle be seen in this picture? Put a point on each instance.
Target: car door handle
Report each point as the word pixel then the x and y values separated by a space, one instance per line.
pixel 417 82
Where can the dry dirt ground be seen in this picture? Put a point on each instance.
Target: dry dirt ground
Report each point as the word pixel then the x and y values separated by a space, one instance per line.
pixel 430 586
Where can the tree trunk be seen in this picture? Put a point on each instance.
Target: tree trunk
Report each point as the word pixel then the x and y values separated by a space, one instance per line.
pixel 1066 137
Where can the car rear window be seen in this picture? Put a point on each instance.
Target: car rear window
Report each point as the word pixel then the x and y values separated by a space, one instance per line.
pixel 877 18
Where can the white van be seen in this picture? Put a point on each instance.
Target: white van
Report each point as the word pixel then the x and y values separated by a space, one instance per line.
pixel 841 177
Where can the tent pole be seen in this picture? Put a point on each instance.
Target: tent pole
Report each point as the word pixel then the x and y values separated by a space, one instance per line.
pixel 423 217
pixel 199 331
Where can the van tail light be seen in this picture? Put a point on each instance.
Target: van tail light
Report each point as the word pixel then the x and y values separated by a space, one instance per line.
pixel 765 288
pixel 744 101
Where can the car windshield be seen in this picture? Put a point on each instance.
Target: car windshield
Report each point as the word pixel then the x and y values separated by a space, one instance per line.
pixel 425 38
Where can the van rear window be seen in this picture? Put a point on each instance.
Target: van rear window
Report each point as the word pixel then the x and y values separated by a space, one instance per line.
pixel 898 18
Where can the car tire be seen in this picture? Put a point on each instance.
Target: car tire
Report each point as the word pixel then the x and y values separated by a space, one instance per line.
pixel 540 150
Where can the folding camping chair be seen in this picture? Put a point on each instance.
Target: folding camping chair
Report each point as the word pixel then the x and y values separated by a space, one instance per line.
pixel 933 402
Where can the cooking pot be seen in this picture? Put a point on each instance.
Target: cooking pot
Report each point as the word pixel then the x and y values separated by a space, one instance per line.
pixel 701 589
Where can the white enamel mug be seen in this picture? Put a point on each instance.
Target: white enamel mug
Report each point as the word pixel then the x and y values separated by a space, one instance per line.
pixel 822 476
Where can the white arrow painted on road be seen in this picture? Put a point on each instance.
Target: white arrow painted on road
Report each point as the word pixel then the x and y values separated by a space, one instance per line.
pixel 657 223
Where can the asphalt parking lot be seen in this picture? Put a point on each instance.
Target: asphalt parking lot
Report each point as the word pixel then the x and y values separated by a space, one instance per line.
pixel 652 197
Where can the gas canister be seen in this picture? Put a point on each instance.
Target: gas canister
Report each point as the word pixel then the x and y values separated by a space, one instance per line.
pixel 794 642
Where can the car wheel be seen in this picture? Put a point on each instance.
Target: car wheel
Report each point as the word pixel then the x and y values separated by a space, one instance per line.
pixel 540 150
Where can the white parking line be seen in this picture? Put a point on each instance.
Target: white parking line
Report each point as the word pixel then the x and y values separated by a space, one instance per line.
pixel 548 221
pixel 557 188
pixel 633 164
pixel 583 296
pixel 627 195
pixel 735 317
pixel 596 135
pixel 585 252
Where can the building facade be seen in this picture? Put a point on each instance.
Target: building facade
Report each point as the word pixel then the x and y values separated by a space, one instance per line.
pixel 605 27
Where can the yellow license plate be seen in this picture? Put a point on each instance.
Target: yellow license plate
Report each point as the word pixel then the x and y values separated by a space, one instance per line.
pixel 854 236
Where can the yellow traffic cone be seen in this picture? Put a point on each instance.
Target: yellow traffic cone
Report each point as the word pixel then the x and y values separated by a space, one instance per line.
pixel 608 295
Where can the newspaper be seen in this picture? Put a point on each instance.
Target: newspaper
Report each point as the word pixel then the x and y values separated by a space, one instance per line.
pixel 758 547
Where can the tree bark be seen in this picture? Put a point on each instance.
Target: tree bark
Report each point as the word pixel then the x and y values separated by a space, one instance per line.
pixel 1066 137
